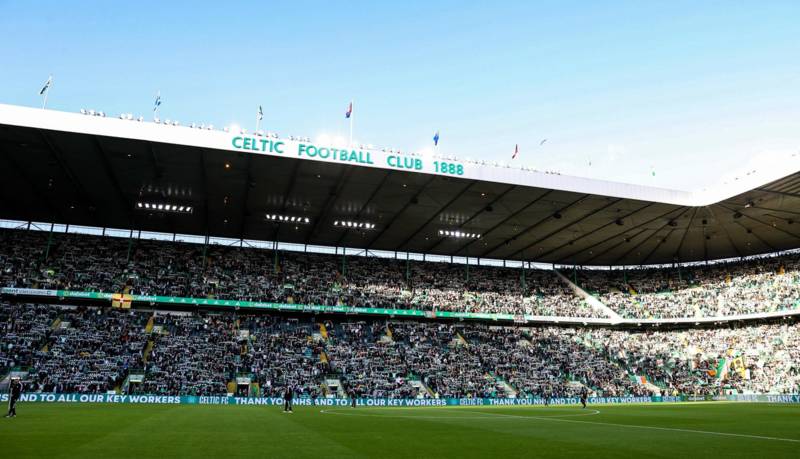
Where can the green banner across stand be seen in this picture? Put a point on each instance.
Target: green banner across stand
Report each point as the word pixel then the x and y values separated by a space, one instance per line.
pixel 262 305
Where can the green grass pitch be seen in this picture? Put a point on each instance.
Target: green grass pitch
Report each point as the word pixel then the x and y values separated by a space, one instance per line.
pixel 708 430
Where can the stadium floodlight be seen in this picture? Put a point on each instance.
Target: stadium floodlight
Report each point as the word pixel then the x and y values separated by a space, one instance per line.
pixel 287 218
pixel 164 207
pixel 355 225
pixel 458 234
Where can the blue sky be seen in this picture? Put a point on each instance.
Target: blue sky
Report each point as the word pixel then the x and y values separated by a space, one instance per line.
pixel 692 90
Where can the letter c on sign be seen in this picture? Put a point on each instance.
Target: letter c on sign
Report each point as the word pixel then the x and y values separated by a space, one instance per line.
pixel 235 139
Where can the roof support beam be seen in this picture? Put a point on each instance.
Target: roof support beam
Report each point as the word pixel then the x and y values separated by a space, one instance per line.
pixel 594 231
pixel 677 253
pixel 286 194
pixel 780 193
pixel 727 234
pixel 655 231
pixel 123 201
pixel 399 213
pixel 627 239
pixel 41 196
pixel 505 220
pixel 436 214
pixel 206 197
pixel 475 215
pixel 763 223
pixel 79 189
pixel 767 244
pixel 366 203
pixel 623 241
pixel 655 247
pixel 246 193
pixel 562 228
pixel 333 193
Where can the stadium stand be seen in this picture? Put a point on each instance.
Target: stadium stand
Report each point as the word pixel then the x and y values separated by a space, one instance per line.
pixel 763 284
pixel 94 263
pixel 93 350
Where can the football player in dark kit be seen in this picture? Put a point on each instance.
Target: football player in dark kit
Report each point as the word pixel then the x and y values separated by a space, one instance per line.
pixel 14 392
pixel 287 400
pixel 584 397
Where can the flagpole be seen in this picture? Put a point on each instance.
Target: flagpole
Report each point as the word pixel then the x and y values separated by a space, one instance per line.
pixel 47 91
pixel 258 122
pixel 352 114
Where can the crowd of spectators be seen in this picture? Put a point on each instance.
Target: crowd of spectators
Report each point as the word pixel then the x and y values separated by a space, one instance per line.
pixel 145 267
pixel 689 361
pixel 94 263
pixel 282 353
pixel 192 354
pixel 70 349
pixel 93 350
pixel 758 285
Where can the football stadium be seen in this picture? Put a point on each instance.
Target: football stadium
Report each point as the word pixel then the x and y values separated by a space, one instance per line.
pixel 174 289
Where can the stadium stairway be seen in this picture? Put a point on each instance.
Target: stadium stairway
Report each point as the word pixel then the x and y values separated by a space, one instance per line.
pixel 147 350
pixel 421 387
pixel 334 385
pixel 509 390
pixel 149 327
pixel 591 300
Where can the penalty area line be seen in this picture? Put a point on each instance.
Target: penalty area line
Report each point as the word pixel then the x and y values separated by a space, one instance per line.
pixel 636 426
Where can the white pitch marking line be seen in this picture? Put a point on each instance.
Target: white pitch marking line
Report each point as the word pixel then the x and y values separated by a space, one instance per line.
pixel 635 426
pixel 483 414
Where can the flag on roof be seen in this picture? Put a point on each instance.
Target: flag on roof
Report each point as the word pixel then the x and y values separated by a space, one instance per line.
pixel 436 139
pixel 260 113
pixel 46 85
pixel 516 151
pixel 349 110
pixel 158 101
